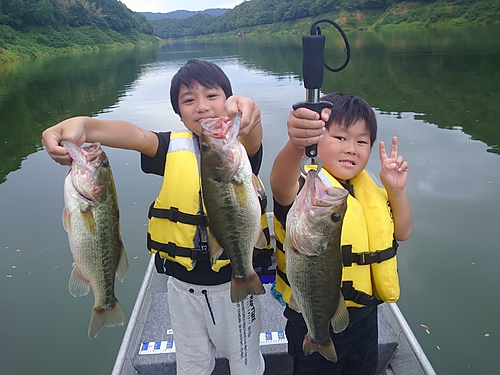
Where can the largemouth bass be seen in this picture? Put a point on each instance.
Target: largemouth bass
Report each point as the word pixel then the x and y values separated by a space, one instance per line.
pixel 231 200
pixel 314 262
pixel 91 218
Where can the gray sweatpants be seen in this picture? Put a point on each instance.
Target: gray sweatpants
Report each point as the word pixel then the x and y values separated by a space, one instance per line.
pixel 204 319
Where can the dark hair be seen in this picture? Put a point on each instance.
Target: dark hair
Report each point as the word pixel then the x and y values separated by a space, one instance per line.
pixel 348 109
pixel 195 71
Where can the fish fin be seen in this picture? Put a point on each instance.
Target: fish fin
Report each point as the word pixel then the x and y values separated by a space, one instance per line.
pixel 340 319
pixel 327 350
pixel 240 191
pixel 78 285
pixel 241 287
pixel 108 316
pixel 122 268
pixel 259 189
pixel 292 303
pixel 66 220
pixel 88 220
pixel 262 240
pixel 216 249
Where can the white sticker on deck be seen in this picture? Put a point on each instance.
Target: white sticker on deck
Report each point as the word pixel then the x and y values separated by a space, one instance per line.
pixel 157 347
pixel 272 338
pixel 168 346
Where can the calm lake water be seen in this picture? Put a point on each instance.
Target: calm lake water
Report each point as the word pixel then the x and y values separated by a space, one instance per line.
pixel 437 90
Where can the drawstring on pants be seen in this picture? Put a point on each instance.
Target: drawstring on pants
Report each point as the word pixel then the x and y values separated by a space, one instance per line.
pixel 208 304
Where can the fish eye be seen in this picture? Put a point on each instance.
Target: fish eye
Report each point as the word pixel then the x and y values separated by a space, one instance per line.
pixel 336 217
pixel 204 146
pixel 105 163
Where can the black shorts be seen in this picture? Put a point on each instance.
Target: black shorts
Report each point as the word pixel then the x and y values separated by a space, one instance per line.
pixel 356 346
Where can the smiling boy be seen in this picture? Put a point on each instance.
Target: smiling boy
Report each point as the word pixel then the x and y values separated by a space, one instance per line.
pixel 375 220
pixel 203 317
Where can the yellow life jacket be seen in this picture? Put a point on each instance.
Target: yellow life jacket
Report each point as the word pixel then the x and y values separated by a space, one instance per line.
pixel 177 225
pixel 370 274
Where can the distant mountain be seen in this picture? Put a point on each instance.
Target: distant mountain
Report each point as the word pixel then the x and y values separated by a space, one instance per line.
pixel 183 13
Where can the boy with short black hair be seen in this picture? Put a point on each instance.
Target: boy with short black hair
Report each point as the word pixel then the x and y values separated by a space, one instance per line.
pixel 375 219
pixel 203 317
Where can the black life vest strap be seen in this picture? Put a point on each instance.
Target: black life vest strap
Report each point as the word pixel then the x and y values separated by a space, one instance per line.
pixel 173 214
pixel 281 274
pixel 365 258
pixel 172 250
pixel 160 263
pixel 348 291
pixel 279 246
pixel 358 297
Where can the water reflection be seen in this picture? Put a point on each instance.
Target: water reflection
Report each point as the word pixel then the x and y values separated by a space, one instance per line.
pixel 38 94
pixel 449 77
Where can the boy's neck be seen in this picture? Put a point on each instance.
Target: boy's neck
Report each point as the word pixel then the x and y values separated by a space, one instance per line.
pixel 347 186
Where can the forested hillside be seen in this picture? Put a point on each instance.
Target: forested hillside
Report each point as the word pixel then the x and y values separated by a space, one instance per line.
pixel 33 28
pixel 285 15
pixel 39 27
pixel 104 14
pixel 183 13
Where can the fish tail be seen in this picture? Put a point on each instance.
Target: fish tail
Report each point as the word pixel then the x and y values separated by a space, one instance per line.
pixel 109 316
pixel 327 350
pixel 241 287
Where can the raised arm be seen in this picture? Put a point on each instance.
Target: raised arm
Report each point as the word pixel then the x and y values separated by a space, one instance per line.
pixel 113 133
pixel 305 128
pixel 394 174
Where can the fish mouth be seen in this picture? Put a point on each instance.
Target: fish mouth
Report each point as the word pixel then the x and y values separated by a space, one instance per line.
pixel 221 127
pixel 329 196
pixel 336 194
pixel 84 161
pixel 215 127
pixel 323 195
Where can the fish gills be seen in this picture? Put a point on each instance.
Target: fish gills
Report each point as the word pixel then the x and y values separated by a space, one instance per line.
pixel 314 262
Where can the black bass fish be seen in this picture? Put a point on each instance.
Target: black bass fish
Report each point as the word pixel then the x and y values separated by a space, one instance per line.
pixel 91 218
pixel 314 262
pixel 230 196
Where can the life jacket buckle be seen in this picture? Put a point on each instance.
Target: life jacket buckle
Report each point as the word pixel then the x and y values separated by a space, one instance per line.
pixel 367 258
pixel 200 253
pixel 174 214
pixel 204 219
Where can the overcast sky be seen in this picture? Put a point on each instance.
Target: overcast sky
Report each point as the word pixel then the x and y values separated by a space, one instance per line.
pixel 165 6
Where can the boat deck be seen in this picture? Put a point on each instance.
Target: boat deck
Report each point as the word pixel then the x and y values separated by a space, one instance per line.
pixel 148 347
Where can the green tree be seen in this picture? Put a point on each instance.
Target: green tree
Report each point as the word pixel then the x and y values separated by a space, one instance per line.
pixel 78 16
pixel 15 10
pixel 44 13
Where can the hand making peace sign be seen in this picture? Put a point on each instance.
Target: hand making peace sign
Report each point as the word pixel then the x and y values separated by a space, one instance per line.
pixel 394 173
